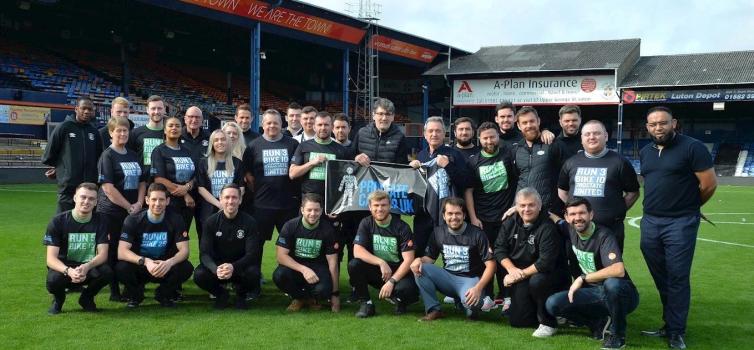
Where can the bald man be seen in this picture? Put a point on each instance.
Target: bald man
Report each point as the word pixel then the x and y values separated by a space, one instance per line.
pixel 194 137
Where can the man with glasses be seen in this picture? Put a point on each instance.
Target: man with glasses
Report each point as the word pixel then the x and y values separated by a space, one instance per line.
pixel 381 141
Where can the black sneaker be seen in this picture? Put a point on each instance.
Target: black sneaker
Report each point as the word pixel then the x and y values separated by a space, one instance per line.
pixel 178 296
pixel 675 341
pixel 598 329
pixel 660 333
pixel 133 303
pixel 365 310
pixel 613 342
pixel 352 299
pixel 253 295
pixel 57 305
pixel 241 303
pixel 166 302
pixel 87 303
pixel 221 300
pixel 400 308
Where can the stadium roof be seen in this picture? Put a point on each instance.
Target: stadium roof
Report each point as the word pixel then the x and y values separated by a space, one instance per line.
pixel 570 56
pixel 717 68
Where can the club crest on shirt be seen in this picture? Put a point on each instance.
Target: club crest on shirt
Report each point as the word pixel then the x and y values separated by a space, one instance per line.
pixel 540 153
pixel 530 240
pixel 240 234
pixel 218 234
pixel 205 143
pixel 91 136
pixel 611 256
pixel 185 234
pixel 72 135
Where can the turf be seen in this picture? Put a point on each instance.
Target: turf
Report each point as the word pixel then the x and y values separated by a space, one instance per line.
pixel 721 314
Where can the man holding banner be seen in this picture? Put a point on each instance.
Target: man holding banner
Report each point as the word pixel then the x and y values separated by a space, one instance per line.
pixel 381 141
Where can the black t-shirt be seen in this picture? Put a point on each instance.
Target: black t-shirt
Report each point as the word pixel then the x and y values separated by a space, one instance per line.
pixel 196 146
pixel 175 165
pixel 124 172
pixel 77 241
pixel 511 137
pixel 268 162
pixel 494 183
pixel 600 250
pixel 234 241
pixel 308 245
pixel 670 186
pixel 143 141
pixel 156 241
pixel 469 153
pixel 214 182
pixel 104 134
pixel 463 254
pixel 385 242
pixel 602 181
pixel 250 135
pixel 314 180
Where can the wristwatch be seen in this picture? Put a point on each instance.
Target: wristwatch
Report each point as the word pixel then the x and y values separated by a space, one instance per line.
pixel 141 261
pixel 583 277
pixel 65 272
pixel 393 281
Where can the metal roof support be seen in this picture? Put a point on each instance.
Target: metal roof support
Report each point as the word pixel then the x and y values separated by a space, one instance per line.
pixel 256 43
pixel 344 87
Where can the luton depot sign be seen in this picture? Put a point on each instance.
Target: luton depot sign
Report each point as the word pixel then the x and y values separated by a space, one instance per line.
pixel 586 89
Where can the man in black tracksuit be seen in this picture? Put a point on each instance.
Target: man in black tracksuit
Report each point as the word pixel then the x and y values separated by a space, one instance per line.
pixel 529 248
pixel 569 117
pixel 73 150
pixel 228 251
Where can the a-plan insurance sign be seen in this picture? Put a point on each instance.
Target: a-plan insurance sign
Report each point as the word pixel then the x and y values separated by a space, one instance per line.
pixel 586 89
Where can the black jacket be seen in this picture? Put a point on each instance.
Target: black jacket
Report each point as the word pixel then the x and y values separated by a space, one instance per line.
pixel 540 244
pixel 73 149
pixel 389 147
pixel 538 167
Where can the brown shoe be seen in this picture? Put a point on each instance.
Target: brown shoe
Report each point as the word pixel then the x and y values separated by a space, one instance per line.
pixel 296 305
pixel 313 304
pixel 432 315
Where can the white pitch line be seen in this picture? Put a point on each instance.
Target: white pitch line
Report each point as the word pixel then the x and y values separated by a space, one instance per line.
pixel 634 222
pixel 32 191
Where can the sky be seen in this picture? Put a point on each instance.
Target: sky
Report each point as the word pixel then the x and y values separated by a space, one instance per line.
pixel 665 27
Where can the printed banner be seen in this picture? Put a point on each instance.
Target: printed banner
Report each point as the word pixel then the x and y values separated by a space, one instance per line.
pixel 24 115
pixel 403 49
pixel 591 89
pixel 348 184
pixel 713 95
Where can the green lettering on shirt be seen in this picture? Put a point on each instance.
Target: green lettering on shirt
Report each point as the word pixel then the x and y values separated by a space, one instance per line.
pixel 308 248
pixel 81 247
pixel 385 248
pixel 586 260
pixel 149 145
pixel 494 177
pixel 318 172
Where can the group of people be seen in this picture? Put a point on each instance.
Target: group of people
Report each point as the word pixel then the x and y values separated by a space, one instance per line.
pixel 539 217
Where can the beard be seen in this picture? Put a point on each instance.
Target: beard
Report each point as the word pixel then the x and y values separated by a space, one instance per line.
pixel 463 143
pixel 664 139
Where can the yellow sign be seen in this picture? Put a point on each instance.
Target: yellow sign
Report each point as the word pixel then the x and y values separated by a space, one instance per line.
pixel 24 115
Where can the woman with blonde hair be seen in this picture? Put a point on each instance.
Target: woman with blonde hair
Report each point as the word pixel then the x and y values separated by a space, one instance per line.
pixel 235 138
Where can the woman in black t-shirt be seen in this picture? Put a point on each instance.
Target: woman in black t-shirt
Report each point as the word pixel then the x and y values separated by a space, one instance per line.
pixel 172 166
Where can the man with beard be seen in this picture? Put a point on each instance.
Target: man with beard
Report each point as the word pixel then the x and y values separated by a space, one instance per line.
pixel 464 132
pixel 244 118
pixel 293 117
pixel 341 129
pixel 506 117
pixel 494 185
pixel 310 157
pixel 678 179
pixel 569 117
pixel 538 164
pixel 307 133
pixel 603 177
pixel 144 139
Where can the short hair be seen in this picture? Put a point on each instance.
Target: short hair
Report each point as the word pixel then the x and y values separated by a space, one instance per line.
pixel 465 120
pixel 115 122
pixel 569 109
pixel 273 112
pixel 529 192
pixel 596 122
pixel 486 126
pixel 505 105
pixel 154 98
pixel 308 109
pixel 527 110
pixel 435 119
pixel 383 103
pixel 578 201
pixel 454 201
pixel 340 117
pixel 660 109
pixel 323 114
pixel 83 99
pixel 294 105
pixel 157 187
pixel 311 198
pixel 243 107
pixel 233 186
pixel 87 186
pixel 377 196
pixel 120 101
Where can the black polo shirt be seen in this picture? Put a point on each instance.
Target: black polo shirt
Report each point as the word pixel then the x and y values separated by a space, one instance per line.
pixel 670 185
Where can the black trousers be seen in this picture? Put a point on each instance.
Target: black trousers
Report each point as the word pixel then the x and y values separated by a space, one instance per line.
pixel 345 230
pixel 423 228
pixel 134 277
pixel 529 298
pixel 618 229
pixel 204 211
pixel 243 280
pixel 186 213
pixel 364 275
pixel 114 229
pixel 65 202
pixel 491 230
pixel 97 278
pixel 293 283
pixel 267 221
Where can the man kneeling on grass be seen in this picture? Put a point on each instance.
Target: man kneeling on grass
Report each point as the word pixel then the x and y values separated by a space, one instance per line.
pixel 469 264
pixel 308 258
pixel 383 252
pixel 76 243
pixel 154 248
pixel 604 292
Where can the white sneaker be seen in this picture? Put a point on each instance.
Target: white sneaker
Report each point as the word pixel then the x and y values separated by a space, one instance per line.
pixel 449 300
pixel 544 331
pixel 488 305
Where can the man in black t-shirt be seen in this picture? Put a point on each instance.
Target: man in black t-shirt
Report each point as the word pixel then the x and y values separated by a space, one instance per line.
pixel 119 107
pixel 76 243
pixel 469 264
pixel 569 117
pixel 464 133
pixel 310 157
pixel 603 295
pixel 145 138
pixel 383 252
pixel 154 247
pixel 228 251
pixel 602 176
pixel 308 256
pixel 678 179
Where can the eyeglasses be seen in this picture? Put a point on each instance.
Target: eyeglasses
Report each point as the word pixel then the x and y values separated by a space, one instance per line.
pixel 193 116
pixel 382 114
pixel 656 124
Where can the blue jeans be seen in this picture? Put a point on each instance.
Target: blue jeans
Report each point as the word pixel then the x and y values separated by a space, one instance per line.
pixel 616 298
pixel 435 278
pixel 668 247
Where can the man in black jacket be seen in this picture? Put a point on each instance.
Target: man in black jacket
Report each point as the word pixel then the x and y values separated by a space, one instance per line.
pixel 381 141
pixel 73 151
pixel 228 251
pixel 569 117
pixel 529 249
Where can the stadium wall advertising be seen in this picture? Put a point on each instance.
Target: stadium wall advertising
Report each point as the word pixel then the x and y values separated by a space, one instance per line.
pixel 24 115
pixel 708 95
pixel 403 49
pixel 586 89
